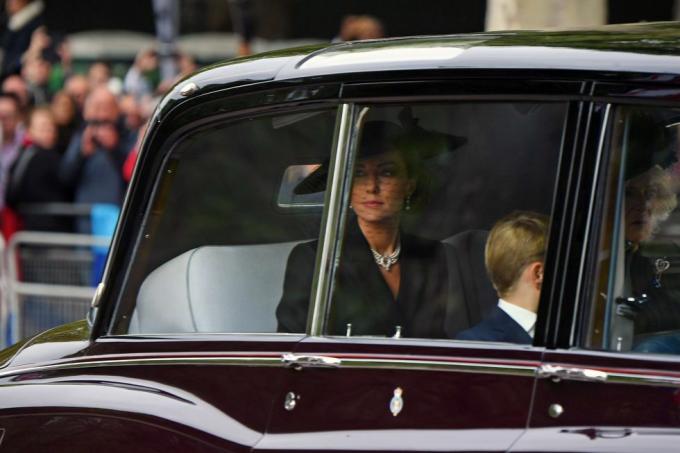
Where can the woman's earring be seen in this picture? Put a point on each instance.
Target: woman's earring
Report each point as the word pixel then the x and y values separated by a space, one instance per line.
pixel 407 203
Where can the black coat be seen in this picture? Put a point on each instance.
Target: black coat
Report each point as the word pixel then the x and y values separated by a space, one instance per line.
pixel 661 312
pixel 361 295
pixel 15 43
pixel 499 326
pixel 33 179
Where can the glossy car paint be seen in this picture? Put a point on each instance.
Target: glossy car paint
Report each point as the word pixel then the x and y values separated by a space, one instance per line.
pixel 138 395
pixel 81 389
pixel 635 407
pixel 451 397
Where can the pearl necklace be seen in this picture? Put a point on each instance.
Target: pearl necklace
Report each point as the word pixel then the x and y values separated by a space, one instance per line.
pixel 386 261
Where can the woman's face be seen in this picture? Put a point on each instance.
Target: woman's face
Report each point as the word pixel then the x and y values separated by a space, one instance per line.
pixel 649 199
pixel 380 186
pixel 42 129
pixel 63 109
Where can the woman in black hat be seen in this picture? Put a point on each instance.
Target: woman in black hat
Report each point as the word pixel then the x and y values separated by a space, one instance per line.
pixel 388 283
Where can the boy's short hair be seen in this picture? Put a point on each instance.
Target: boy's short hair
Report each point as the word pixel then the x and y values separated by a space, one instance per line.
pixel 514 242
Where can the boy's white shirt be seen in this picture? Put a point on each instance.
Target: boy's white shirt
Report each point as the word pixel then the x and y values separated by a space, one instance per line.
pixel 525 318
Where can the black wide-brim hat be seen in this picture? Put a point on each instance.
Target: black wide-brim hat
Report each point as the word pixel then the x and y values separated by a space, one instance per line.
pixel 379 137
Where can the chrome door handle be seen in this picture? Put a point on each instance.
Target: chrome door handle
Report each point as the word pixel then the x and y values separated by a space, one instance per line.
pixel 557 373
pixel 310 361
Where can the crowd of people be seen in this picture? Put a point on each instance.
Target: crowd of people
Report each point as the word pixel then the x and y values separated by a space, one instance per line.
pixel 71 136
pixel 67 136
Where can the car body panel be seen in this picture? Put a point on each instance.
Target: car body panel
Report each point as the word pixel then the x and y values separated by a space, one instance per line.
pixel 59 342
pixel 635 404
pixel 179 397
pixel 449 394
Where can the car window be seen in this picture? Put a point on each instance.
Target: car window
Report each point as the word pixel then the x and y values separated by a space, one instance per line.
pixel 636 302
pixel 222 223
pixel 429 182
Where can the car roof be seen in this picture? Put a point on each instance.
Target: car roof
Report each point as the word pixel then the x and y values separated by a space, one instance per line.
pixel 645 49
pixel 634 48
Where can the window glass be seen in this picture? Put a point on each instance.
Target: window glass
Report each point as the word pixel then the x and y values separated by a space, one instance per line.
pixel 222 224
pixel 288 196
pixel 429 181
pixel 636 302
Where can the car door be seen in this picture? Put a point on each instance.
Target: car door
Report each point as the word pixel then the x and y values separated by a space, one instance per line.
pixel 186 354
pixel 352 390
pixel 612 380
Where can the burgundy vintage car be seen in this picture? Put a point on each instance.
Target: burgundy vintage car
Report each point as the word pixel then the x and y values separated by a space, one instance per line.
pixel 241 308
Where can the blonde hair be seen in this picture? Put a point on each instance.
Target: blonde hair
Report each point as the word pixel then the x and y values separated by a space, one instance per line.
pixel 514 242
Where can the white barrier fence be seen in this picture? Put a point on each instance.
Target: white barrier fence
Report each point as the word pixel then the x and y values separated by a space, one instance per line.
pixel 47 279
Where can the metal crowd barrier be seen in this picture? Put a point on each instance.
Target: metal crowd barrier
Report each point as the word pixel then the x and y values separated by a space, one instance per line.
pixel 48 281
pixel 46 278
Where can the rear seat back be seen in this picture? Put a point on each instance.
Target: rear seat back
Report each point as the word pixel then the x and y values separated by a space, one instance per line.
pixel 214 289
pixel 237 288
pixel 472 296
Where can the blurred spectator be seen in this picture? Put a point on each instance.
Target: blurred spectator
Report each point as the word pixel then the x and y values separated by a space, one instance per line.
pixel 92 165
pixel 78 87
pixel 146 109
pixel 64 69
pixel 54 49
pixel 36 72
pixel 12 138
pixel 40 40
pixel 131 161
pixel 34 175
pixel 65 116
pixel 243 20
pixel 98 74
pixel 24 17
pixel 354 28
pixel 186 65
pixel 139 80
pixel 17 86
pixel 131 111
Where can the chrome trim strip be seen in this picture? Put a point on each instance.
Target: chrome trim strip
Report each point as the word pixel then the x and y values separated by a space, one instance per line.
pixel 591 207
pixel 524 369
pixel 639 379
pixel 235 361
pixel 331 220
pixel 604 375
pixel 527 370
pixel 439 365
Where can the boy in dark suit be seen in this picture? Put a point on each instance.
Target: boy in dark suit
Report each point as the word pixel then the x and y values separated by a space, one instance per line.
pixel 514 257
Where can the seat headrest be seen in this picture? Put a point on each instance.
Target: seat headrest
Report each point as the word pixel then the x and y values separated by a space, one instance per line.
pixel 472 293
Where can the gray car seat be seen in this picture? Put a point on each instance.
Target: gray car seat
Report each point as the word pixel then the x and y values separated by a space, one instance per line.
pixel 214 289
pixel 472 296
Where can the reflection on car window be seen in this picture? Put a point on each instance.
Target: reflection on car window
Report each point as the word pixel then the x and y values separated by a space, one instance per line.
pixel 288 198
pixel 637 306
pixel 429 181
pixel 223 223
